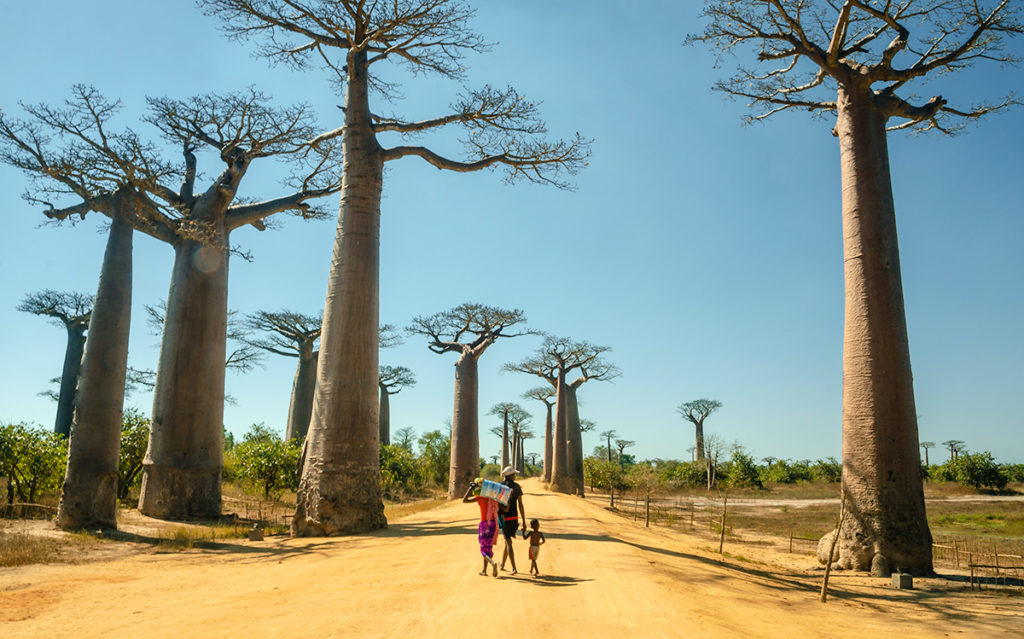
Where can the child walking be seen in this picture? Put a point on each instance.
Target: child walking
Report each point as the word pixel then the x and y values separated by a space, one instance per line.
pixel 536 538
pixel 487 531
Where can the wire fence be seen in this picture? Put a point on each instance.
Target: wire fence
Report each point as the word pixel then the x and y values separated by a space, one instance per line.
pixel 986 563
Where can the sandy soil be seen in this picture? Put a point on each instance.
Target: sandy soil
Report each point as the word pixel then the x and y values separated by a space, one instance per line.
pixel 602 576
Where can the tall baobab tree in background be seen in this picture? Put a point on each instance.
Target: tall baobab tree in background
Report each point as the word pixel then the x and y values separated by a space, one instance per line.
pixel 71 154
pixel 955 446
pixel 545 395
pixel 696 412
pixel 554 361
pixel 468 330
pixel 608 435
pixel 340 486
pixel 511 414
pixel 182 469
pixel 925 446
pixel 392 380
pixel 72 310
pixel 622 445
pixel 292 335
pixel 856 58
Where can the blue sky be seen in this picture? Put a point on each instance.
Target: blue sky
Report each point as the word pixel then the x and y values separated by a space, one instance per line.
pixel 707 254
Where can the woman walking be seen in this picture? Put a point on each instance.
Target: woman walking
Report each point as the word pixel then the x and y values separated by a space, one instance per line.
pixel 487 531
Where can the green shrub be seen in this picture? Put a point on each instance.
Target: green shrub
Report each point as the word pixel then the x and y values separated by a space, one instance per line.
pixel 974 469
pixel 399 470
pixel 32 459
pixel 744 471
pixel 435 453
pixel 829 470
pixel 134 439
pixel 693 473
pixel 265 460
pixel 600 473
pixel 1014 472
pixel 783 471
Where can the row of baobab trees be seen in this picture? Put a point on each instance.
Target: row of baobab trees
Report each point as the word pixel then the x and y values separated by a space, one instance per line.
pixel 852 58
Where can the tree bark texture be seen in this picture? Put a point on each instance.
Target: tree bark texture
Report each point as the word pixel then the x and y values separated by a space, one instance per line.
pixel 699 445
pixel 465 455
pixel 505 458
pixel 182 468
pixel 300 408
pixel 340 492
pixel 886 527
pixel 561 482
pixel 89 494
pixel 573 440
pixel 384 417
pixel 69 378
pixel 546 478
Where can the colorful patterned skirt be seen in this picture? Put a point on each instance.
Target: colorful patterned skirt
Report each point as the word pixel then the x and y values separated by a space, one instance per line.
pixel 485 535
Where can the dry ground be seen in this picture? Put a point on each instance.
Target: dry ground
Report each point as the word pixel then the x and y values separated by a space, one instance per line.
pixel 602 576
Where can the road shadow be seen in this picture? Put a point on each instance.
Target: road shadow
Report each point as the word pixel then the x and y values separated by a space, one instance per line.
pixel 425 529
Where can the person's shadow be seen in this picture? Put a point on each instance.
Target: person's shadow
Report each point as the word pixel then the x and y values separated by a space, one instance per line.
pixel 551 581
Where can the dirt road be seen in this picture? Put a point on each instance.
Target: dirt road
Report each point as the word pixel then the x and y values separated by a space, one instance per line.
pixel 602 576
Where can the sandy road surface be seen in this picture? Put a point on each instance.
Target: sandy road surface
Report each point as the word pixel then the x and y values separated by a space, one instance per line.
pixel 602 577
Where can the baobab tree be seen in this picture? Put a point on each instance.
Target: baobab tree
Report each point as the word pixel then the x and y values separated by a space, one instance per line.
pixel 468 330
pixel 71 155
pixel 545 395
pixel 512 415
pixel 72 311
pixel 925 446
pixel 696 412
pixel 392 380
pixel 181 474
pixel 340 486
pixel 860 60
pixel 955 446
pixel 554 361
pixel 622 445
pixel 608 435
pixel 183 462
pixel 292 334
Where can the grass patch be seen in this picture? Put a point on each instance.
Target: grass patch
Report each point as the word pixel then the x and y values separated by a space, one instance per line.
pixel 20 549
pixel 394 511
pixel 1000 518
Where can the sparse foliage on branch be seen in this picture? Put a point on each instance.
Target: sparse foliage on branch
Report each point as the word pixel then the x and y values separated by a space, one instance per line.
pixel 805 48
pixel 501 128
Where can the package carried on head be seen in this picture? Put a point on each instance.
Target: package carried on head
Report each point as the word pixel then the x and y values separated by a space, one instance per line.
pixel 494 490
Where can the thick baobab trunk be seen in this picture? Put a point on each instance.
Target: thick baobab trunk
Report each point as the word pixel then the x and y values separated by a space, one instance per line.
pixel 573 440
pixel 384 417
pixel 340 492
pixel 89 494
pixel 561 482
pixel 69 378
pixel 465 455
pixel 182 469
pixel 547 445
pixel 886 528
pixel 699 446
pixel 300 408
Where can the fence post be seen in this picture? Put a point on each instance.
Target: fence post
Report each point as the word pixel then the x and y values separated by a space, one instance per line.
pixel 791 542
pixel 956 552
